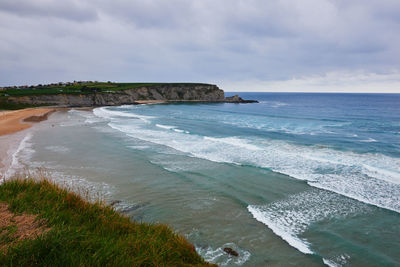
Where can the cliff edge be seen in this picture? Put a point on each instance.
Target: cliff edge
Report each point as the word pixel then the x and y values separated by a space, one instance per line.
pixel 111 94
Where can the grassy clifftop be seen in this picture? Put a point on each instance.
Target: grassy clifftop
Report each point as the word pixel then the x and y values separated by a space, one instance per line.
pixel 42 224
pixel 80 88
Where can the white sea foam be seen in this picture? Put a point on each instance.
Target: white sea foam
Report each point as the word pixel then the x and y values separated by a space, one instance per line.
pixel 290 218
pixel 221 258
pixel 59 149
pixel 285 234
pixel 330 263
pixel 16 165
pixel 105 112
pixel 337 261
pixel 173 163
pixel 92 190
pixel 369 140
pixel 139 147
pixel 234 141
pixel 90 118
pixel 274 104
pixel 125 106
pixel 283 125
pixel 167 127
pixel 370 178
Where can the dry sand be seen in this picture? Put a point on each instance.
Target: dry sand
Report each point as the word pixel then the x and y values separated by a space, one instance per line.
pixel 18 120
pixel 150 101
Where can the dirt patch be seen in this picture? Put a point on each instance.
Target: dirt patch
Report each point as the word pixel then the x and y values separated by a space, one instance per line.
pixel 15 228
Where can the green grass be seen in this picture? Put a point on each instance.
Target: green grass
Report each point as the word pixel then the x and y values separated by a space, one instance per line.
pixel 86 88
pixel 86 234
pixel 5 105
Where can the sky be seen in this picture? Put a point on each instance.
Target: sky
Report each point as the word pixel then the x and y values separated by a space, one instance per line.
pixel 252 45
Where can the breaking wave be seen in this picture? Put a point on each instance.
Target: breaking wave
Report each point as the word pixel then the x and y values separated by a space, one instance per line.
pixel 367 177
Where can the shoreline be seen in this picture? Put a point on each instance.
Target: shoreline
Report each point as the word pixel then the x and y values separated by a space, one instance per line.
pixel 150 101
pixel 13 130
pixel 19 120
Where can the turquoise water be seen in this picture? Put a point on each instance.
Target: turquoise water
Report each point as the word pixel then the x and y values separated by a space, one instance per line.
pixel 298 179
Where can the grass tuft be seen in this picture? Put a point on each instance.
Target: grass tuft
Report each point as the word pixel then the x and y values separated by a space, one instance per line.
pixel 84 234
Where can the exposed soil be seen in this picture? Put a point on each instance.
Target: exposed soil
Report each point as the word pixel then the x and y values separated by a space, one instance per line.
pixel 15 228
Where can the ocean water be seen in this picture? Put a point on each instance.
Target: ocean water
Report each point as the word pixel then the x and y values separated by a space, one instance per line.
pixel 298 179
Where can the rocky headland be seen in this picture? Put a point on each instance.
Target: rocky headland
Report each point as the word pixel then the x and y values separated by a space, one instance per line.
pixel 98 95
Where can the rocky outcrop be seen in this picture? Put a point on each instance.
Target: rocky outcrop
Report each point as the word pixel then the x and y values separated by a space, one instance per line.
pixel 238 99
pixel 163 92
pixel 232 252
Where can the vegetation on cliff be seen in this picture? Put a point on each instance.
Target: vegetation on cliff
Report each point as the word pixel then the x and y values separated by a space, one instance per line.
pixel 90 94
pixel 42 224
pixel 6 105
pixel 80 88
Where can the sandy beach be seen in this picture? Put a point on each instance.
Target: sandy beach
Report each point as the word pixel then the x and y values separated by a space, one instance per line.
pixel 150 101
pixel 12 123
pixel 18 120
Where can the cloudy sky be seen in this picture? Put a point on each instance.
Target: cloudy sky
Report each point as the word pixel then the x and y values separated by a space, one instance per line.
pixel 252 45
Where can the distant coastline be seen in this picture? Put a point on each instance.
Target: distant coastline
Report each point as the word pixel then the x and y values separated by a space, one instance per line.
pixel 89 94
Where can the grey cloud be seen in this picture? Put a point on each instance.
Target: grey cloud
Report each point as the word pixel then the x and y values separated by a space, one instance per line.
pixel 69 10
pixel 148 14
pixel 209 41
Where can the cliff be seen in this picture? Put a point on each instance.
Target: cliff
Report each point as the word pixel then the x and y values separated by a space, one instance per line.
pixel 111 94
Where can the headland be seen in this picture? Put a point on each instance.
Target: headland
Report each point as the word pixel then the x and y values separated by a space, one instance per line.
pixel 90 94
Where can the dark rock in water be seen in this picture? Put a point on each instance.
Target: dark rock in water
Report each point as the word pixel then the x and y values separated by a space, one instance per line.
pixel 131 208
pixel 231 252
pixel 238 99
pixel 115 202
pixel 248 101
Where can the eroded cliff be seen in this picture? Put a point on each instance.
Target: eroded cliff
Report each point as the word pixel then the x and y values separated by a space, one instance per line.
pixel 167 92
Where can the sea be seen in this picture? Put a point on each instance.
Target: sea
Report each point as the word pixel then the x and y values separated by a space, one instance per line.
pixel 298 179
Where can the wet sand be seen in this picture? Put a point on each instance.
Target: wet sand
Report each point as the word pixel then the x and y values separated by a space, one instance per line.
pixel 12 124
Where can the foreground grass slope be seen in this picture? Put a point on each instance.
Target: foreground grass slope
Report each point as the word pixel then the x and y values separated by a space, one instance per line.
pixel 73 232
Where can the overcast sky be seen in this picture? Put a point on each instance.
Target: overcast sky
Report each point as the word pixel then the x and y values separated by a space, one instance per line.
pixel 240 45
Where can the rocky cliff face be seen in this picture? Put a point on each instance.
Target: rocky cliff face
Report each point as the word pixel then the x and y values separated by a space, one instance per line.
pixel 208 93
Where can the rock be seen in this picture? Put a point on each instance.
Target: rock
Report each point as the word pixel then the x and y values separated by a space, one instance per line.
pixel 233 99
pixel 249 101
pixel 231 252
pixel 130 208
pixel 238 99
pixel 115 202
